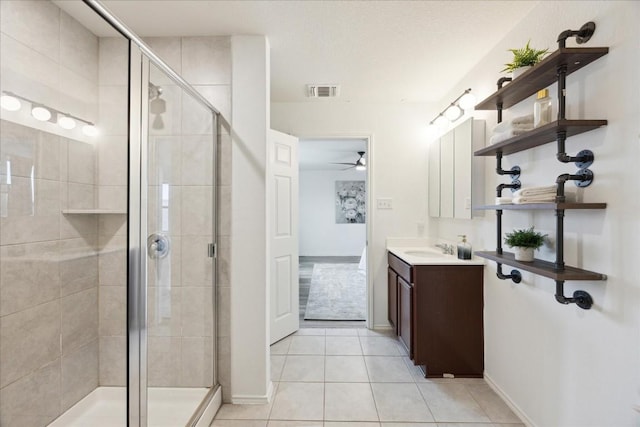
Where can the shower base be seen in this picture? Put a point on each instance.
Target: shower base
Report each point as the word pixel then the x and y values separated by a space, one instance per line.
pixel 106 407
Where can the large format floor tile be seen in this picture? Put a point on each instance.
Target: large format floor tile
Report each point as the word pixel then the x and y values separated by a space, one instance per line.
pixel 349 402
pixel 345 369
pixel 400 402
pixel 303 368
pixel 298 401
pixel 385 369
pixel 452 403
pixel 492 404
pixel 343 346
pixel 307 345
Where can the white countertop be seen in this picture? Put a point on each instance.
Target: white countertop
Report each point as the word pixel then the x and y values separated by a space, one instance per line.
pixel 426 255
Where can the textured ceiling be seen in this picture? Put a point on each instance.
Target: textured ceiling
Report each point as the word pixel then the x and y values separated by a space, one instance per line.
pixel 378 51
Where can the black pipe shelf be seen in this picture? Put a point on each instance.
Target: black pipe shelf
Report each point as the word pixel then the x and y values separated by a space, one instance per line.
pixel 542 268
pixel 541 206
pixel 540 136
pixel 542 75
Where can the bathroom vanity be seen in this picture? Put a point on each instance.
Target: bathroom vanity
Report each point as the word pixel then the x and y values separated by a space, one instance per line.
pixel 435 308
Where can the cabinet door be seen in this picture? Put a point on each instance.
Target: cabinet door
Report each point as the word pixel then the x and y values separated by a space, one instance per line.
pixel 393 299
pixel 446 175
pixel 462 169
pixel 434 179
pixel 405 297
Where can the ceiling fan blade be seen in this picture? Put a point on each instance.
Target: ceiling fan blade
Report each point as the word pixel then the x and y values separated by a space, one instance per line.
pixel 351 164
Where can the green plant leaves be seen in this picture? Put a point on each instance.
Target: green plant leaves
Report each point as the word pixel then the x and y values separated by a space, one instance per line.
pixel 525 57
pixel 528 238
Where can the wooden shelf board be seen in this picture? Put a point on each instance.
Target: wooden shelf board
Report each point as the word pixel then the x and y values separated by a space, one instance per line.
pixel 542 75
pixel 93 212
pixel 542 206
pixel 540 136
pixel 542 268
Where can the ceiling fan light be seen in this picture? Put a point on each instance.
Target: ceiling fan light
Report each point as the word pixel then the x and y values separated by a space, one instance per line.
pixel 361 167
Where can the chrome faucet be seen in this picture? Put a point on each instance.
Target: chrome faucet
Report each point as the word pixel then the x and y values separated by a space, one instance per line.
pixel 446 249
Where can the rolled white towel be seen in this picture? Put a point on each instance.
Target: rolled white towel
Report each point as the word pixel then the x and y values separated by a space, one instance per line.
pixel 536 191
pixel 504 200
pixel 534 199
pixel 503 136
pixel 506 126
pixel 522 119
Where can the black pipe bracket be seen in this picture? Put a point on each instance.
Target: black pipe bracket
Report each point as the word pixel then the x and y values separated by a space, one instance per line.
pixel 582 35
pixel 580 298
pixel 515 275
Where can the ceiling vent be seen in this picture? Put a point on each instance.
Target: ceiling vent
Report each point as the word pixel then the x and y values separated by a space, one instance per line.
pixel 323 91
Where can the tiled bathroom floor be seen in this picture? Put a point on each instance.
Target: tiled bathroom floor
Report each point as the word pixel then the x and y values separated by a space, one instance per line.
pixel 361 378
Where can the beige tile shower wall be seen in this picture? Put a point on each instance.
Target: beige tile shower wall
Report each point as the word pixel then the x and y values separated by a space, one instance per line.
pixel 48 261
pixel 113 80
pixel 180 318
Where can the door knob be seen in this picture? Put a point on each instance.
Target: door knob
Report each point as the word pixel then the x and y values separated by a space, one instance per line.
pixel 158 246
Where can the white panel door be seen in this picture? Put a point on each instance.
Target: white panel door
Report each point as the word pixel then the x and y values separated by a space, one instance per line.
pixel 283 234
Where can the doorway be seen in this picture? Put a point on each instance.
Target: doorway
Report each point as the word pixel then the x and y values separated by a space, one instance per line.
pixel 333 230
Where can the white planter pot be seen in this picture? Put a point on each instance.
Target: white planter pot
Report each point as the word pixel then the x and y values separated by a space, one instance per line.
pixel 523 254
pixel 518 71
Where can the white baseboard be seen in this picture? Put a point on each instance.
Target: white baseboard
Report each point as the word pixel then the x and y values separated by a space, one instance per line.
pixel 211 410
pixel 386 327
pixel 254 400
pixel 515 408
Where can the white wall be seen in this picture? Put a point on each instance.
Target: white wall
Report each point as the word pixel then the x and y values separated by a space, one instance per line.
pixel 319 233
pixel 560 365
pixel 250 375
pixel 396 157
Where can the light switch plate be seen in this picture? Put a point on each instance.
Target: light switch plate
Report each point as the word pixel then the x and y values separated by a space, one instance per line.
pixel 384 204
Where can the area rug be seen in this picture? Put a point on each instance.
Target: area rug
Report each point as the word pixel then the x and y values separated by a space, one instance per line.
pixel 337 292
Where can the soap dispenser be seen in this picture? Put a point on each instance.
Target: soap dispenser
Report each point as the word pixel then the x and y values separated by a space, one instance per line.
pixel 464 248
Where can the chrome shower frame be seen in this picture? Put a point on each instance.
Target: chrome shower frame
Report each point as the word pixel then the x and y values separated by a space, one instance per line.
pixel 140 56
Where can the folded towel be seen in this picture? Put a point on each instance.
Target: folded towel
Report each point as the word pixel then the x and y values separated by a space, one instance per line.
pixel 505 126
pixel 522 119
pixel 503 136
pixel 504 200
pixel 536 191
pixel 534 199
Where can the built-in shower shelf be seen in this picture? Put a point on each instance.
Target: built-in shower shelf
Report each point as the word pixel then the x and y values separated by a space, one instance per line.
pixel 94 212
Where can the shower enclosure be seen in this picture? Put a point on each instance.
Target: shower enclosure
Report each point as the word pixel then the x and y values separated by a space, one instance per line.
pixel 107 227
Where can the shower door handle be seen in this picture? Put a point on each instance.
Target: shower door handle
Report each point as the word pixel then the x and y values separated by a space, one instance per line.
pixel 158 246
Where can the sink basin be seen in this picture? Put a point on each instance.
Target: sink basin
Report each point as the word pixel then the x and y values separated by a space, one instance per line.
pixel 425 254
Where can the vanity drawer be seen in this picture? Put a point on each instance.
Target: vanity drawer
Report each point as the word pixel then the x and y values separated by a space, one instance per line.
pixel 402 268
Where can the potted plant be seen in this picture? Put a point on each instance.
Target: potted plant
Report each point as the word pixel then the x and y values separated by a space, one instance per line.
pixel 524 242
pixel 523 59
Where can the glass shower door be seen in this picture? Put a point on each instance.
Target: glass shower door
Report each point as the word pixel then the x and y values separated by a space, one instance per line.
pixel 180 264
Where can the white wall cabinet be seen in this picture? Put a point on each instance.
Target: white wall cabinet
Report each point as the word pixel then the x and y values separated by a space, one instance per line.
pixel 456 177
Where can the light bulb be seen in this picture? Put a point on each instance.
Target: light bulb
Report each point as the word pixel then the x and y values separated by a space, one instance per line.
pixel 468 101
pixel 66 122
pixel 10 103
pixel 453 112
pixel 440 121
pixel 90 130
pixel 360 168
pixel 41 113
pixel 363 162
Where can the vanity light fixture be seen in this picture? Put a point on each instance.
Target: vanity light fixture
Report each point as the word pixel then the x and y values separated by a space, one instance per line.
pixel 11 102
pixel 66 122
pixel 40 112
pixel 455 110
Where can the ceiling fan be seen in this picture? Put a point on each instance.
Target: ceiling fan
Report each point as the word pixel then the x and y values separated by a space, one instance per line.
pixel 359 164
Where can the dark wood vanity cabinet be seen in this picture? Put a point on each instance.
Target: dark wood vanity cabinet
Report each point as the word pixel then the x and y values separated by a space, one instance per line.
pixel 437 313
